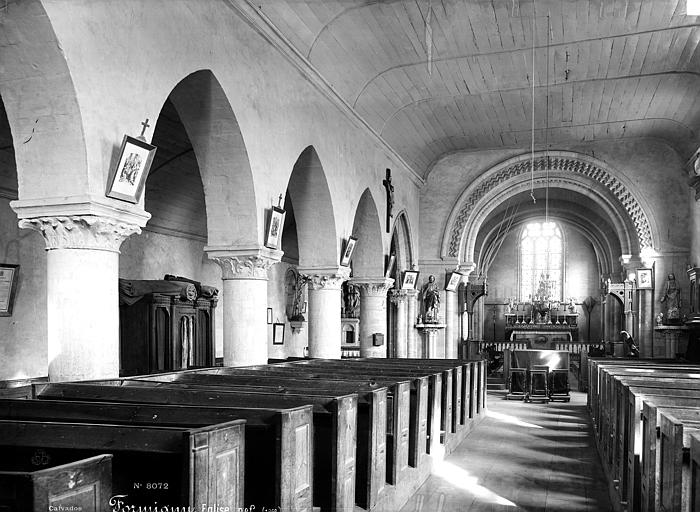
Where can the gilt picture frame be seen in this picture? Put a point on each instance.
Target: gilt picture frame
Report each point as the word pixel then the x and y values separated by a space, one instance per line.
pixel 128 177
pixel 273 236
pixel 9 275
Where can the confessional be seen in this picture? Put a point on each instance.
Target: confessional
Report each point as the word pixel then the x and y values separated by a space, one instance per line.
pixel 165 325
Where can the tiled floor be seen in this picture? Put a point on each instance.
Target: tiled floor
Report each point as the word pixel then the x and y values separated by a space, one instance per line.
pixel 530 457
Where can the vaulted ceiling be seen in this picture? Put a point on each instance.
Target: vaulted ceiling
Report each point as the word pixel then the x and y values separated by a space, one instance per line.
pixel 609 69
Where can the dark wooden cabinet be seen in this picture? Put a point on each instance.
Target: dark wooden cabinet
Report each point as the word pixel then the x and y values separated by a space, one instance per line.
pixel 162 332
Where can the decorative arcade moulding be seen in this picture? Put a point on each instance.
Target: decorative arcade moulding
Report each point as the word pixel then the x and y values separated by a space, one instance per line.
pixel 556 163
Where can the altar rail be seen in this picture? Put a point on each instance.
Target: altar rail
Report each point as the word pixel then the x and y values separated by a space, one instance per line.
pixel 573 347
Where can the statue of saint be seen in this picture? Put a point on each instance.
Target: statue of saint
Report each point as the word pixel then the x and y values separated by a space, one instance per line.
pixel 352 301
pixel 431 300
pixel 672 298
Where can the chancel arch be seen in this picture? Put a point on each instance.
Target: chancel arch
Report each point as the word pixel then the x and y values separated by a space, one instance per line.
pixel 616 199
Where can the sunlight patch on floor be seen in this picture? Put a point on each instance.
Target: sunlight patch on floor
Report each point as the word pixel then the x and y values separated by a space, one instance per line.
pixel 507 418
pixel 462 479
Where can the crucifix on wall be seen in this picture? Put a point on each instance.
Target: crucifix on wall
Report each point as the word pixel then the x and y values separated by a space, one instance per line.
pixel 389 199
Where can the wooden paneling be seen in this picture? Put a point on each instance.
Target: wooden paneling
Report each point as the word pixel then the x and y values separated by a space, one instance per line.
pixel 616 69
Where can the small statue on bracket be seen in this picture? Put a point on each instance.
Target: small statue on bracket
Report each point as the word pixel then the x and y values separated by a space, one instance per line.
pixel 431 301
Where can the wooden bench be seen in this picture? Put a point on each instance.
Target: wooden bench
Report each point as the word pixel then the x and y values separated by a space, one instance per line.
pixel 636 456
pixel 695 471
pixel 84 485
pixel 274 433
pixel 186 463
pixel 371 415
pixel 398 404
pixel 332 432
pixel 676 425
pixel 418 433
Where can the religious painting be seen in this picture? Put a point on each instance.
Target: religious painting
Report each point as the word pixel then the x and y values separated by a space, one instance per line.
pixel 347 253
pixel 453 281
pixel 274 228
pixel 644 279
pixel 278 334
pixel 128 177
pixel 8 287
pixel 410 277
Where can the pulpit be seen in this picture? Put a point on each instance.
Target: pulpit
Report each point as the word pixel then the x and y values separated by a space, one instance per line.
pixel 165 326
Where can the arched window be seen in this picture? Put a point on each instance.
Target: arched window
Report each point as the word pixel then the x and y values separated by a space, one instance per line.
pixel 541 261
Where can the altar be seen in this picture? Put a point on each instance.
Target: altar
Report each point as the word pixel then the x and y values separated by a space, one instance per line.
pixel 538 330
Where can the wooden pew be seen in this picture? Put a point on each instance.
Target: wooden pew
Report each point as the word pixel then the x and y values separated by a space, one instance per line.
pixel 418 411
pixel 455 393
pixel 674 446
pixel 695 471
pixel 371 415
pixel 637 456
pixel 616 419
pixel 333 429
pixel 189 460
pixel 84 484
pixel 281 437
pixel 651 425
pixel 398 404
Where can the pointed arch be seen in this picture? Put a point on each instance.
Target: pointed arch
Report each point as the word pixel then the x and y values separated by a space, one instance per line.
pixel 218 144
pixel 368 259
pixel 402 242
pixel 313 211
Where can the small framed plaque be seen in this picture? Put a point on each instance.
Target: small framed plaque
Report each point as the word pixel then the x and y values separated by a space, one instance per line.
pixel 410 277
pixel 8 287
pixel 278 334
pixel 347 253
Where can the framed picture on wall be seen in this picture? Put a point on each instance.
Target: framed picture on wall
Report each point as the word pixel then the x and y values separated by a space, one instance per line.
pixel 278 334
pixel 453 280
pixel 273 237
pixel 410 277
pixel 269 316
pixel 645 279
pixel 128 177
pixel 347 253
pixel 8 287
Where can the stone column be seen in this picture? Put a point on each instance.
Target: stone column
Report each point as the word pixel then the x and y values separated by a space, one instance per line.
pixel 373 292
pixel 400 298
pixel 324 310
pixel 450 325
pixel 244 302
pixel 82 289
pixel 412 315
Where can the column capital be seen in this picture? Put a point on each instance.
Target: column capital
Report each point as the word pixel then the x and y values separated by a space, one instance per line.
pixel 373 286
pixel 325 278
pixel 400 296
pixel 81 232
pixel 243 263
pixel 81 222
pixel 466 269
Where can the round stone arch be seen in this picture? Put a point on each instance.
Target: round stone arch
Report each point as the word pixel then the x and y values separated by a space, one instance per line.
pixel 613 195
pixel 597 239
pixel 313 211
pixel 42 106
pixel 224 166
pixel 368 258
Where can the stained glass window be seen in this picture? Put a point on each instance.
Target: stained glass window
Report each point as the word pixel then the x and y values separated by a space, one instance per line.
pixel 541 256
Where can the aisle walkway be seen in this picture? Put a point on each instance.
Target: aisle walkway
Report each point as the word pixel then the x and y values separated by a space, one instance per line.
pixel 530 457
